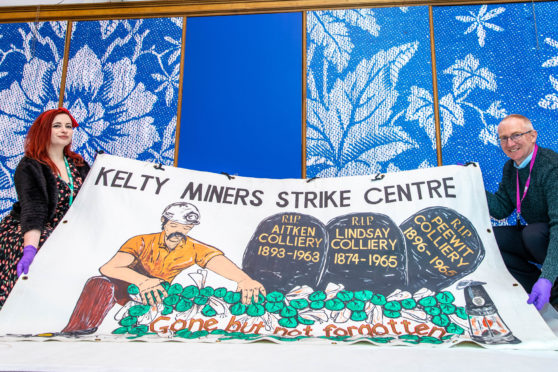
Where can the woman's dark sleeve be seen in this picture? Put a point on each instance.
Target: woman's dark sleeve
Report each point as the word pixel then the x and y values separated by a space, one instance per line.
pixel 32 193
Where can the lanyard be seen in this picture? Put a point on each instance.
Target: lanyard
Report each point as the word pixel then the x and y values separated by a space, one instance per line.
pixel 519 200
pixel 70 180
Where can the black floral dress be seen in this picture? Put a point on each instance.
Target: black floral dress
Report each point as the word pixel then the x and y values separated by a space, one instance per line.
pixel 11 238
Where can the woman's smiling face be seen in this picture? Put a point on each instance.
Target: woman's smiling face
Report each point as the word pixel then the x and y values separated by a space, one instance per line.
pixel 61 131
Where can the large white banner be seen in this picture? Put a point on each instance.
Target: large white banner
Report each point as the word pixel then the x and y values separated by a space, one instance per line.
pixel 159 253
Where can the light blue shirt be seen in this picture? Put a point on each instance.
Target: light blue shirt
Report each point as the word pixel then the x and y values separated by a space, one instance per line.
pixel 525 162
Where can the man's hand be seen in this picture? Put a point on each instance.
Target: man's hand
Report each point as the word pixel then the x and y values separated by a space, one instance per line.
pixel 540 294
pixel 225 267
pixel 250 288
pixel 152 291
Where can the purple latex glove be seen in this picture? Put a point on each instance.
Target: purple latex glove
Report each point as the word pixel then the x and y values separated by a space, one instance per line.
pixel 540 294
pixel 29 253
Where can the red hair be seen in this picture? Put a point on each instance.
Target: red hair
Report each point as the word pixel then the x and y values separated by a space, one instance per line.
pixel 37 140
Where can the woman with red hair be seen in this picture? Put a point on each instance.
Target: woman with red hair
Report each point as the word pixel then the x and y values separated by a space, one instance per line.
pixel 47 180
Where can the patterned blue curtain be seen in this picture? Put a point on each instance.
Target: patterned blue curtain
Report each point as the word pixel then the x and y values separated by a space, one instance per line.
pixel 492 61
pixel 495 60
pixel 121 86
pixel 31 56
pixel 369 91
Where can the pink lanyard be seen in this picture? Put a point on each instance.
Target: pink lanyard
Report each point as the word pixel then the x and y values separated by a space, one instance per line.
pixel 526 184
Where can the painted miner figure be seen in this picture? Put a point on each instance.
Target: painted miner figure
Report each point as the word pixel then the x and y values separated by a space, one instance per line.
pixel 149 260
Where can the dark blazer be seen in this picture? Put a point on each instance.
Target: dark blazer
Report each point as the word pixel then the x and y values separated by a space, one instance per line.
pixel 37 193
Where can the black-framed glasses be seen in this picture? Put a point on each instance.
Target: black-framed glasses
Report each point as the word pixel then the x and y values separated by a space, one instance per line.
pixel 513 137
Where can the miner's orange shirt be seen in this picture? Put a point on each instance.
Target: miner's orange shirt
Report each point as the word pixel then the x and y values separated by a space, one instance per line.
pixel 160 262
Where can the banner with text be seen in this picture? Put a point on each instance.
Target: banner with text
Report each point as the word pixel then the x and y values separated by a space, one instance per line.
pixel 156 253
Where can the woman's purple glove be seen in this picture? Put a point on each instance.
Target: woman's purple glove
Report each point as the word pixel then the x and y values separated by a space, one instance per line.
pixel 29 253
pixel 540 294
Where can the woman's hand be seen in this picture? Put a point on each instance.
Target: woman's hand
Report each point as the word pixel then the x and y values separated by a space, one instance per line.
pixel 29 253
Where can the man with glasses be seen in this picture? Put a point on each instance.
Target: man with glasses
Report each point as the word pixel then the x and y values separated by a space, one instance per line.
pixel 530 186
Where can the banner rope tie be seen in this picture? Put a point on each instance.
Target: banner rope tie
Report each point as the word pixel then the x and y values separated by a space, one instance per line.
pixel 228 175
pixel 378 176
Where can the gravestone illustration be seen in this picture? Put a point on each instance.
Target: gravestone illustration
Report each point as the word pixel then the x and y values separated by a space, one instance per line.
pixel 443 247
pixel 366 251
pixel 286 250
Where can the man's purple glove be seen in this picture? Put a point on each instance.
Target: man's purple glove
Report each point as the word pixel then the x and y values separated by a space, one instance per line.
pixel 540 294
pixel 29 253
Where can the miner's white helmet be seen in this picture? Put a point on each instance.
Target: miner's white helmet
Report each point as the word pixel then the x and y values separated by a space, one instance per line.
pixel 182 212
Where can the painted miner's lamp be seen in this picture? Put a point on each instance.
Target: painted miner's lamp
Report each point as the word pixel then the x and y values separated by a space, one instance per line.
pixel 487 327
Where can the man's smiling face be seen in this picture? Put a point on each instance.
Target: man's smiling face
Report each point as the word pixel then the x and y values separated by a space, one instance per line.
pixel 520 148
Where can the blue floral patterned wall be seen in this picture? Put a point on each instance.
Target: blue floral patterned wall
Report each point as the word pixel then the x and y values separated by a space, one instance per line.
pixel 369 96
pixel 31 56
pixel 492 61
pixel 369 91
pixel 121 86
